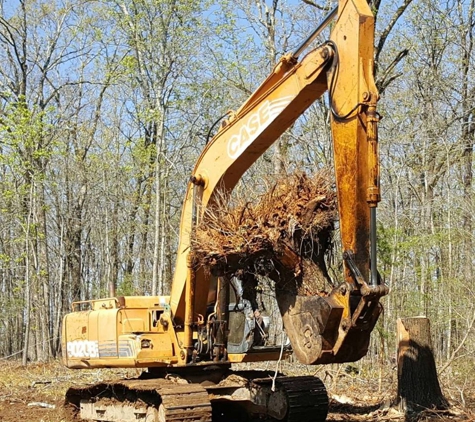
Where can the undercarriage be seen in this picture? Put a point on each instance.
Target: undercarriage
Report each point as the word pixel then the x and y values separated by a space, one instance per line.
pixel 230 396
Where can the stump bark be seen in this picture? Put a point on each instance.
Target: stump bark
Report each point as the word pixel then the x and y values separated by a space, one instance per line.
pixel 418 384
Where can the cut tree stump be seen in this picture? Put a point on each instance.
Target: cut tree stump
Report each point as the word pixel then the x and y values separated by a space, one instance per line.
pixel 418 384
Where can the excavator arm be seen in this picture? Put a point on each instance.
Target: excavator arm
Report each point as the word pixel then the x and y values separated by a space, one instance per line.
pixel 343 67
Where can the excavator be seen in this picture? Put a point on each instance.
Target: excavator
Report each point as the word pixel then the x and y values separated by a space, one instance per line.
pixel 186 349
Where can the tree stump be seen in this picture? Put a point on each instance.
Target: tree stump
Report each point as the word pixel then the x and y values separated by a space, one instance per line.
pixel 418 385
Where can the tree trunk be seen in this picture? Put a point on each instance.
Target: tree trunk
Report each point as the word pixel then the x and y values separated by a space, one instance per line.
pixel 418 385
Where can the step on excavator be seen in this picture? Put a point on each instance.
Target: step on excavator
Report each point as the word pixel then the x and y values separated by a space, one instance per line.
pixel 185 348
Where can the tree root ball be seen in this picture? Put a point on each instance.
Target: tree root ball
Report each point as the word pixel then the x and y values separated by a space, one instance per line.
pixel 284 235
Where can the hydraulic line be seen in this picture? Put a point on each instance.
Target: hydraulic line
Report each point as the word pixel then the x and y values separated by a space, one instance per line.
pixel 328 18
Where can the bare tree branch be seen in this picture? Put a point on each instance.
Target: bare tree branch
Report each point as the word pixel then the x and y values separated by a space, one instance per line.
pixel 388 29
pixel 387 77
pixel 313 4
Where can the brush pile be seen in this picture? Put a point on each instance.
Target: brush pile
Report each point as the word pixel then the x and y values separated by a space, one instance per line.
pixel 284 235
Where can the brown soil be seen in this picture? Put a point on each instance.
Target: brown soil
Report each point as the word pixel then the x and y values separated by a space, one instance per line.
pixel 354 396
pixel 31 394
pixel 35 393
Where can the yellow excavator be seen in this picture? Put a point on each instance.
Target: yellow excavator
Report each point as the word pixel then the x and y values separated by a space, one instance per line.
pixel 185 348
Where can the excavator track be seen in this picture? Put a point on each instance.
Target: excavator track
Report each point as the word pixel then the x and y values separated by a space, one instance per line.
pixel 187 403
pixel 307 399
pixel 289 399
pixel 152 400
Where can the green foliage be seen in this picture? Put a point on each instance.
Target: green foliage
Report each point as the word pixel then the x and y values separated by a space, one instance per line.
pixel 126 287
pixel 26 139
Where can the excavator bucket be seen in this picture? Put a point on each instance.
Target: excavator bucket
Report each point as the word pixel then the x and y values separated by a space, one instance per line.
pixel 334 328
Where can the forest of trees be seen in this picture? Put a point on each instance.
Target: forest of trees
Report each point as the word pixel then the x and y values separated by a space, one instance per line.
pixel 106 104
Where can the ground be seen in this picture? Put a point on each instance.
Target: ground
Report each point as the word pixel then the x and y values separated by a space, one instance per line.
pixel 35 393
